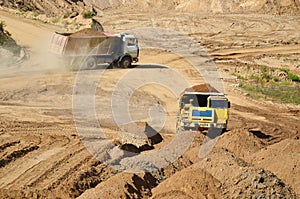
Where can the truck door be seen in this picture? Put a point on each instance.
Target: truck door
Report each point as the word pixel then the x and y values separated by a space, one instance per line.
pixel 131 46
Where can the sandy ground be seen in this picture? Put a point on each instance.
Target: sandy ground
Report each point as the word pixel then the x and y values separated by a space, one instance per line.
pixel 42 155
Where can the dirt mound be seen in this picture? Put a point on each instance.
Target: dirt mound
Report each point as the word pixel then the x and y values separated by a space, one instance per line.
pixel 240 179
pixel 192 182
pixel 140 135
pixel 7 42
pixel 202 88
pixel 258 183
pixel 282 159
pixel 241 142
pixel 123 185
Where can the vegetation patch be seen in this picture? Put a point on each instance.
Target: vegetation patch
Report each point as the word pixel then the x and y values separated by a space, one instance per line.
pixel 6 41
pixel 89 14
pixel 274 84
pixel 279 92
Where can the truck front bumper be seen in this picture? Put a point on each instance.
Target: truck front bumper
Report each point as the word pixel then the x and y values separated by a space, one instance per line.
pixel 206 125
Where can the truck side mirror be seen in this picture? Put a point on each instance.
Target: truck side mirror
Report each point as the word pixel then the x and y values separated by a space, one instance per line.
pixel 191 101
pixel 181 105
pixel 229 104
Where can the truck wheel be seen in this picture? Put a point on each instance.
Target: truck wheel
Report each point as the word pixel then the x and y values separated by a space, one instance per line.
pixel 90 63
pixel 74 64
pixel 179 129
pixel 113 65
pixel 125 62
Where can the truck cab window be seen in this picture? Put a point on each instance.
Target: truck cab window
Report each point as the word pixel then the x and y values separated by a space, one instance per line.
pixel 197 100
pixel 131 41
pixel 218 103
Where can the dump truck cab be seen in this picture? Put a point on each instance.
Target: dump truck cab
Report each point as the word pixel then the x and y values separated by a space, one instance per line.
pixel 202 111
pixel 131 47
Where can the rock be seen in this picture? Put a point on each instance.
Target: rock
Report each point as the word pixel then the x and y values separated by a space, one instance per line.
pixel 138 136
pixel 80 4
pixel 73 14
pixel 96 25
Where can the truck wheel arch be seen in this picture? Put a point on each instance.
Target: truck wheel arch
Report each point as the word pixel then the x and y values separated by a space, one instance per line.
pixel 125 61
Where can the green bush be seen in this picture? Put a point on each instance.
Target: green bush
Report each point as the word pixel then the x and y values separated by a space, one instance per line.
pixel 264 69
pixel 89 14
pixel 276 79
pixel 55 20
pixel 293 77
pixel 241 85
pixel 286 70
pixel 66 15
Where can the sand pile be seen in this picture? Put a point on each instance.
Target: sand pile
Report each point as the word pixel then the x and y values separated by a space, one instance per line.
pixel 123 185
pixel 282 159
pixel 241 142
pixel 202 88
pixel 241 179
pixel 192 182
pixel 6 41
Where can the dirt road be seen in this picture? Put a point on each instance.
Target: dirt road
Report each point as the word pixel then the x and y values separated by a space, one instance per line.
pixel 42 155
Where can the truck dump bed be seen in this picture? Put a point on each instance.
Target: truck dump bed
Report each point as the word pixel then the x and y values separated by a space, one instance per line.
pixel 204 88
pixel 82 42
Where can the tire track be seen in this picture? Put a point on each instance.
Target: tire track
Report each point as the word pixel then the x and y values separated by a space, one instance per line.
pixel 265 122
pixel 240 53
pixel 52 169
pixel 17 154
pixel 16 169
pixel 17 144
pixel 9 144
pixel 15 172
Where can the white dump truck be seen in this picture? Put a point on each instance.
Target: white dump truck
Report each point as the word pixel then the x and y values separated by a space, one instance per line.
pixel 87 48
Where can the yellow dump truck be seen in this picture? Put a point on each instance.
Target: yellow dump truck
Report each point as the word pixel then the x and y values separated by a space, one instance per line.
pixel 202 111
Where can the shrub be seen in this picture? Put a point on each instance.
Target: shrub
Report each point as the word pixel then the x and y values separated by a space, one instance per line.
pixel 66 15
pixel 286 70
pixel 293 77
pixel 35 13
pixel 264 69
pixel 276 79
pixel 89 14
pixel 55 20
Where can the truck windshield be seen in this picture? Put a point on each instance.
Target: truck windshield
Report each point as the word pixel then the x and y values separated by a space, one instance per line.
pixel 218 103
pixel 131 41
pixel 198 100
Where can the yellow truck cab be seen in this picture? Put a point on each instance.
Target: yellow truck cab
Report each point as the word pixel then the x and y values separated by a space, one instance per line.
pixel 202 110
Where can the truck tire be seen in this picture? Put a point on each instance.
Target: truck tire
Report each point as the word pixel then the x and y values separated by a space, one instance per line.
pixel 74 64
pixel 90 63
pixel 113 65
pixel 125 62
pixel 179 129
